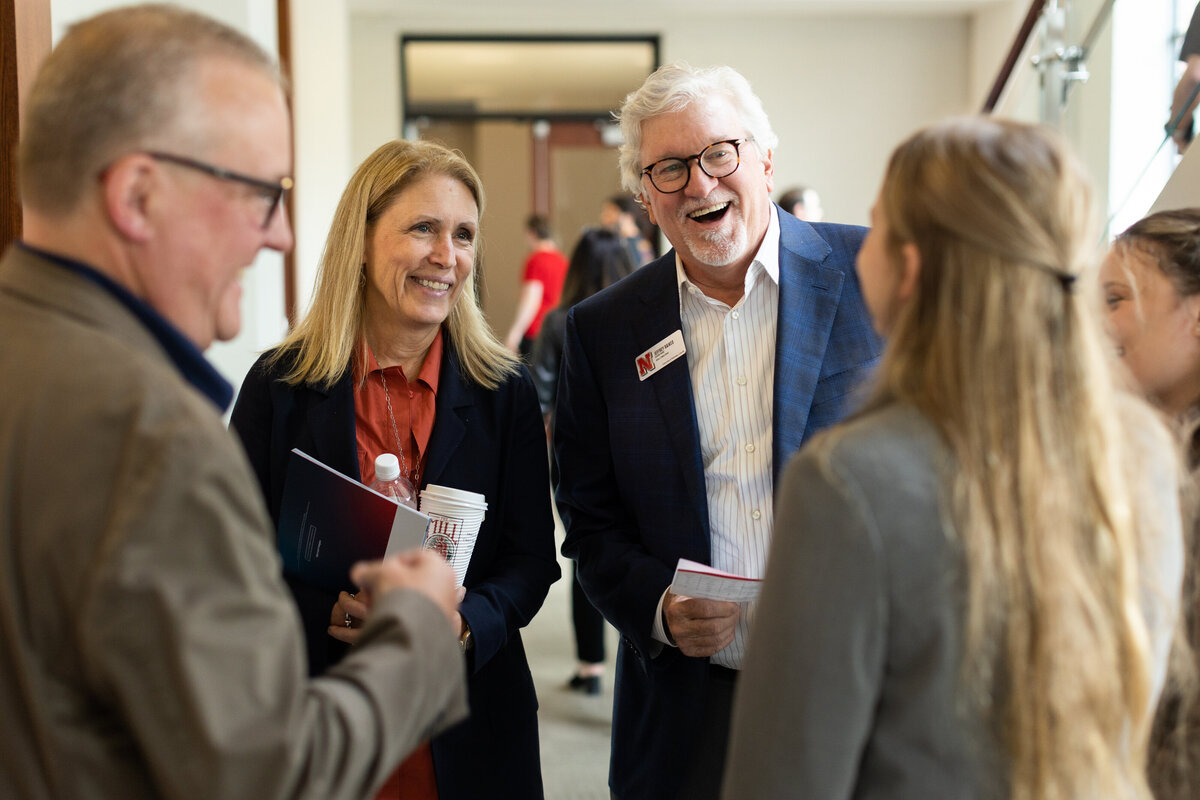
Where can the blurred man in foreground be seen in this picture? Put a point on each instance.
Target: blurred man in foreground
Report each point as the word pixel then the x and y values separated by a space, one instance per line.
pixel 150 647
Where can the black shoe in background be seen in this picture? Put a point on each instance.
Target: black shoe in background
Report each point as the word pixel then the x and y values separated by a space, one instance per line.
pixel 587 684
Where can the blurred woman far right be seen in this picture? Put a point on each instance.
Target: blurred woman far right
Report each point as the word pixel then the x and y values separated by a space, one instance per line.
pixel 1151 285
pixel 972 582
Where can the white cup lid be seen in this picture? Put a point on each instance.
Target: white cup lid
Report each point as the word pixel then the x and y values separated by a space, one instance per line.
pixel 452 494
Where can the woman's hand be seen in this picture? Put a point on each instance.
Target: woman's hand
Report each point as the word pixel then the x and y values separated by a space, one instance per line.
pixel 346 618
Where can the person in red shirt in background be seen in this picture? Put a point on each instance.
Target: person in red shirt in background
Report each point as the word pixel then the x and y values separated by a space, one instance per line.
pixel 541 285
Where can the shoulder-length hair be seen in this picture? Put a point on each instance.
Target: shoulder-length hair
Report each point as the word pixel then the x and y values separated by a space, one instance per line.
pixel 321 345
pixel 999 349
pixel 600 259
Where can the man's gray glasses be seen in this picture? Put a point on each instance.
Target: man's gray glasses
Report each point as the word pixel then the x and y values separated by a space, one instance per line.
pixel 271 193
pixel 718 160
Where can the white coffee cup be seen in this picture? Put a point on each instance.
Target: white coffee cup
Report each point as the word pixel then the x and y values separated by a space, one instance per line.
pixel 455 516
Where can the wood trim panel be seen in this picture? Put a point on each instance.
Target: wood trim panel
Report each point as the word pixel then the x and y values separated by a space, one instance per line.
pixel 24 42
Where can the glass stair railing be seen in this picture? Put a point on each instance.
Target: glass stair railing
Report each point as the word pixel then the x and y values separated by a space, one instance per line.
pixel 1097 70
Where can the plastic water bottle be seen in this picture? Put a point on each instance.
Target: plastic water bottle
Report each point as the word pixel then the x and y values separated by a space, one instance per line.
pixel 390 483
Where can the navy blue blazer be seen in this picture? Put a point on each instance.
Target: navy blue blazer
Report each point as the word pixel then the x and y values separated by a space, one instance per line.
pixel 631 490
pixel 487 441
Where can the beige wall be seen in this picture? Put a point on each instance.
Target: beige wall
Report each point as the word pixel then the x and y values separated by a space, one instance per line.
pixel 841 93
pixel 581 179
pixel 991 32
pixel 504 160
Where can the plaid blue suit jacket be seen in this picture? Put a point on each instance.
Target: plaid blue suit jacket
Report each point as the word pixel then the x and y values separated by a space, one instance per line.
pixel 631 490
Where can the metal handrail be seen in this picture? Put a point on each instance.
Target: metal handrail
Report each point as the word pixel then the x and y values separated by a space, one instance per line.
pixel 1073 55
pixel 1014 53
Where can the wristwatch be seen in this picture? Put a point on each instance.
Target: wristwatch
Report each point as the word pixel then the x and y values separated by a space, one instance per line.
pixel 465 642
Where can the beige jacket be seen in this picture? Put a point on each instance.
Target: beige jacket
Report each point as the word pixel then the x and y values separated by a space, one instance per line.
pixel 150 648
pixel 854 689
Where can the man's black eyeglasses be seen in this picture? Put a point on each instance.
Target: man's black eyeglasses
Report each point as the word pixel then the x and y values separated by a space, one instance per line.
pixel 271 193
pixel 718 160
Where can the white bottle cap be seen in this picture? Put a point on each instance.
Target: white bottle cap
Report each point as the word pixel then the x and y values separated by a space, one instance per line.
pixel 387 467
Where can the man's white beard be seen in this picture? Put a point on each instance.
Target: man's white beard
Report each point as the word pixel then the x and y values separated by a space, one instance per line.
pixel 717 248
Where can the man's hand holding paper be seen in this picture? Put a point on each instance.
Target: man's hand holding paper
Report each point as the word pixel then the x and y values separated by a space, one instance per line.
pixel 699 627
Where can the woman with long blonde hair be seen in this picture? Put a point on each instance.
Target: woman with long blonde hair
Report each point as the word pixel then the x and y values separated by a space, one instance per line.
pixel 395 357
pixel 973 582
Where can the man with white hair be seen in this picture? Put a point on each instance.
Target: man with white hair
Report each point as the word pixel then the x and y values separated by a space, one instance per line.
pixel 684 389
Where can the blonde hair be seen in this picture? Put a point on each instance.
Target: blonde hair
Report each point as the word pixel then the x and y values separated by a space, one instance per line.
pixel 115 84
pixel 1040 496
pixel 319 348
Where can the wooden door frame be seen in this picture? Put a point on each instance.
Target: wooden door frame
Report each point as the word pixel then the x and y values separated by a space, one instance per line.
pixel 24 43
pixel 283 34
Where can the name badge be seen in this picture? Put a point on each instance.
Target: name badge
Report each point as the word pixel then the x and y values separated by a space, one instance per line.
pixel 660 355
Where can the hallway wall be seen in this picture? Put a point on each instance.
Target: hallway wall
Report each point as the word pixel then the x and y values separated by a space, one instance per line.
pixel 841 91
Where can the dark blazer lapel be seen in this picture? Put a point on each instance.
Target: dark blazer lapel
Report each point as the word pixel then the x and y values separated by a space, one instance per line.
pixel 453 395
pixel 330 418
pixel 672 384
pixel 809 294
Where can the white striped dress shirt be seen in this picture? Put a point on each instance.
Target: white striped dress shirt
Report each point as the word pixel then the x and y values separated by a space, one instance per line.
pixel 731 359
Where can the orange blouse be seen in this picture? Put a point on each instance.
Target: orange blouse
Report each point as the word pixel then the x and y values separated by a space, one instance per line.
pixel 413 407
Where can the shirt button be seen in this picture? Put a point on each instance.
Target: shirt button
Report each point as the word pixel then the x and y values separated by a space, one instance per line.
pixel 741 381
pixel 750 448
pixel 410 393
pixel 757 514
pixel 735 315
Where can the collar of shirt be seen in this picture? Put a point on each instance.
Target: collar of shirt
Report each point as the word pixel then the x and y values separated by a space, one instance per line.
pixel 430 369
pixel 766 261
pixel 186 357
pixel 413 411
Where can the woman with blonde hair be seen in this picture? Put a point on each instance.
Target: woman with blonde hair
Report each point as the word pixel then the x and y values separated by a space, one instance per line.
pixel 394 356
pixel 1151 285
pixel 973 582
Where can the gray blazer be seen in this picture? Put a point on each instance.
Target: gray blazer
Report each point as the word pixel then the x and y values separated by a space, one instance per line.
pixel 150 647
pixel 849 688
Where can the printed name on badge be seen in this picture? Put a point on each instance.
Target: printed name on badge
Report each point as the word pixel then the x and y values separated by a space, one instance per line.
pixel 660 355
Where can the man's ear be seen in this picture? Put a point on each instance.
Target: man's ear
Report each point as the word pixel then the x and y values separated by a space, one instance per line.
pixel 769 171
pixel 131 186
pixel 910 271
pixel 641 198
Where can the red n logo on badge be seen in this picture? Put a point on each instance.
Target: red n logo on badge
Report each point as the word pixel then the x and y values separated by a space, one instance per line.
pixel 645 364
